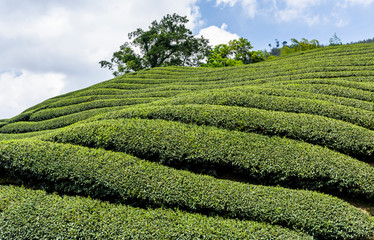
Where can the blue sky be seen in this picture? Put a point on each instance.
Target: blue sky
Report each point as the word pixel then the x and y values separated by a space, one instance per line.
pixel 53 47
pixel 264 21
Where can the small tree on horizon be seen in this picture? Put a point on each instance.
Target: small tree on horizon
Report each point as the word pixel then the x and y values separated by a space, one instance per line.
pixel 335 40
pixel 165 43
pixel 236 52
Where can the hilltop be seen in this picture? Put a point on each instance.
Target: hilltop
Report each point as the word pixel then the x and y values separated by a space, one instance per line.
pixel 281 149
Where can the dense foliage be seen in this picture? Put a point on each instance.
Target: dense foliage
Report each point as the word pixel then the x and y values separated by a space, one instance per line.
pixel 299 46
pixel 272 160
pixel 27 214
pixel 125 179
pixel 257 151
pixel 236 52
pixel 166 43
pixel 338 135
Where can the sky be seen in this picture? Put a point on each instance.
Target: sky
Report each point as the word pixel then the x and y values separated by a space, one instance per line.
pixel 51 47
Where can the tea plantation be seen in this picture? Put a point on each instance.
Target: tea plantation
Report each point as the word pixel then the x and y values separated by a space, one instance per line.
pixel 281 149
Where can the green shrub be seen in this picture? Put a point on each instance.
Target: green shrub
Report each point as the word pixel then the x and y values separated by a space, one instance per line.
pixel 73 100
pixel 24 116
pixel 338 135
pixel 61 111
pixel 340 91
pixel 116 176
pixel 356 116
pixel 150 80
pixel 110 91
pixel 262 159
pixel 8 136
pixel 282 90
pixel 58 122
pixel 127 86
pixel 37 215
pixel 3 123
pixel 363 83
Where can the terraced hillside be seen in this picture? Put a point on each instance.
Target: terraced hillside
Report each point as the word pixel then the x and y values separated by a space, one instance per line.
pixel 282 149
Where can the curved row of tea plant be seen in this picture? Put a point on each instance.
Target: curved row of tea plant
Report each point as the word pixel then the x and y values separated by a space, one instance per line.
pixel 68 101
pixel 280 77
pixel 283 91
pixel 271 70
pixel 234 78
pixel 50 113
pixel 344 82
pixel 338 135
pixel 101 174
pixel 3 122
pixel 353 115
pixel 261 159
pixel 24 127
pixel 339 91
pixel 12 136
pixel 77 100
pixel 91 101
pixel 27 214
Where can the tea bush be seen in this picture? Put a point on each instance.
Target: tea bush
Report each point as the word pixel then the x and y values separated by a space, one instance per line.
pixel 58 122
pixel 266 160
pixel 27 214
pixel 106 175
pixel 353 115
pixel 62 111
pixel 338 135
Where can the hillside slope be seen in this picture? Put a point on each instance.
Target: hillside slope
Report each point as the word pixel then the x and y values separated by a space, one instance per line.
pixel 282 149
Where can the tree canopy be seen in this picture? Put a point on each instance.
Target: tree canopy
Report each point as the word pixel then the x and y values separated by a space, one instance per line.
pixel 165 43
pixel 236 52
pixel 335 40
pixel 298 46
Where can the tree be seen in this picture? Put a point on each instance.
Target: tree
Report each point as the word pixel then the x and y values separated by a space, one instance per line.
pixel 257 56
pixel 276 50
pixel 298 46
pixel 335 40
pixel 303 45
pixel 277 43
pixel 165 43
pixel 241 50
pixel 221 56
pixel 236 52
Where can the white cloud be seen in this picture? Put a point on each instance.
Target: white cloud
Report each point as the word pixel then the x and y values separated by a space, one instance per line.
pixel 361 2
pixel 20 90
pixel 50 24
pixel 295 10
pixel 341 23
pixel 71 37
pixel 346 3
pixel 287 15
pixel 89 30
pixel 312 20
pixel 283 10
pixel 301 4
pixel 231 3
pixel 338 19
pixel 217 35
pixel 249 6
